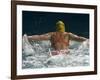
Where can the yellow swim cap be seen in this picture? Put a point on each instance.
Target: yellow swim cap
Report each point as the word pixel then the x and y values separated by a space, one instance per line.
pixel 60 26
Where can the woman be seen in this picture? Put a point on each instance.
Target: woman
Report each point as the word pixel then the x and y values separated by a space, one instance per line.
pixel 59 39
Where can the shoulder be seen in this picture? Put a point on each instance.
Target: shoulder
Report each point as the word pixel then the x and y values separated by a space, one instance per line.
pixel 67 33
pixel 52 33
pixel 49 33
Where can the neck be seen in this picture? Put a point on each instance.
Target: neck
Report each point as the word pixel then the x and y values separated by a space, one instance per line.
pixel 61 31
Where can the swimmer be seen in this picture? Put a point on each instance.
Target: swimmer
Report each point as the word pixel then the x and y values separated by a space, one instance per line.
pixel 59 39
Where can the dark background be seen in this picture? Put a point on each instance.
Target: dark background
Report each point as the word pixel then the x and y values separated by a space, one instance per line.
pixel 43 22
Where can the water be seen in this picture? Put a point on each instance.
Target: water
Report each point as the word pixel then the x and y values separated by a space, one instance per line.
pixel 35 54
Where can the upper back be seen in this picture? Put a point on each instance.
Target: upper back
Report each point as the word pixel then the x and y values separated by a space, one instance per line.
pixel 59 37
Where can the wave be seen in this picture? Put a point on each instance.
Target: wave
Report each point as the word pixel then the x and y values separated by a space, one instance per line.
pixel 35 54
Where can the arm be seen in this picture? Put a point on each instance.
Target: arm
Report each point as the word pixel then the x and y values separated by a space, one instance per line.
pixel 76 38
pixel 40 37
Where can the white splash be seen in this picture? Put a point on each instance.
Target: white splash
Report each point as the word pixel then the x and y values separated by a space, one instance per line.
pixel 36 54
